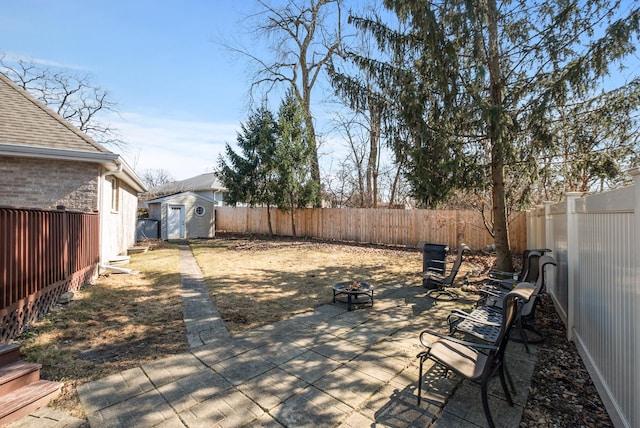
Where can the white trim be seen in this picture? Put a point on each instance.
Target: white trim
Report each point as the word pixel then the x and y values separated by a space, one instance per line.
pixel 62 154
pixel 181 221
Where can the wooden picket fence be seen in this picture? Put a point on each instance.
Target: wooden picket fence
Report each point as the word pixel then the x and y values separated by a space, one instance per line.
pixel 410 228
pixel 43 253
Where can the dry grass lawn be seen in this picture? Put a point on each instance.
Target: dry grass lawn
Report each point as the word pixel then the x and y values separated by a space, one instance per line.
pixel 122 321
pixel 114 324
pixel 258 282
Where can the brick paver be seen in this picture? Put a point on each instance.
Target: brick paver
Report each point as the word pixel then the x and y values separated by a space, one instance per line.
pixel 325 368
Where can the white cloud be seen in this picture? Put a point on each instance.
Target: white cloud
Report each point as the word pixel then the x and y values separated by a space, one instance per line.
pixel 184 148
pixel 14 57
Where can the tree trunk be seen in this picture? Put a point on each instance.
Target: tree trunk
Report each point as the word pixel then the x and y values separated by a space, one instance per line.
pixel 305 101
pixel 394 186
pixel 293 223
pixel 311 134
pixel 269 220
pixel 500 224
pixel 372 167
pixel 293 215
pixel 358 161
pixel 496 134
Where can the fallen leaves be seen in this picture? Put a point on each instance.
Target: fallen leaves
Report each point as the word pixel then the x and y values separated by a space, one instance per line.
pixel 562 393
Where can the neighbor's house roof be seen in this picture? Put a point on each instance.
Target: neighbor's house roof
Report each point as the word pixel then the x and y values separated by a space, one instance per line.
pixel 202 182
pixel 174 195
pixel 30 129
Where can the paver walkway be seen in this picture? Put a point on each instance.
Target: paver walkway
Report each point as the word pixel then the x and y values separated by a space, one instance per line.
pixel 325 368
pixel 201 318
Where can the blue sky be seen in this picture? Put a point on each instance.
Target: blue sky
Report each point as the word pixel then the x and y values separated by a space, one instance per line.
pixel 180 95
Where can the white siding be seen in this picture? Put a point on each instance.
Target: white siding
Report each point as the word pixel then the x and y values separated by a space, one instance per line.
pixel 118 227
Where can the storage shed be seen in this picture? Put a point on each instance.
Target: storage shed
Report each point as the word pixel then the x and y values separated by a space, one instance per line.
pixel 186 209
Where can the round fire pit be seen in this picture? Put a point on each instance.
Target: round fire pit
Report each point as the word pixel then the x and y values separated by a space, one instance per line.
pixel 353 293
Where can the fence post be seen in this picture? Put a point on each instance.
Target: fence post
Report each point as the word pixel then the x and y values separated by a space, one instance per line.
pixel 573 259
pixel 548 226
pixel 66 270
pixel 533 227
pixel 635 173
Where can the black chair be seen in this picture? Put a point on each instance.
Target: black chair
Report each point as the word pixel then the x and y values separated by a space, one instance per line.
pixel 528 272
pixel 474 361
pixel 483 322
pixel 436 282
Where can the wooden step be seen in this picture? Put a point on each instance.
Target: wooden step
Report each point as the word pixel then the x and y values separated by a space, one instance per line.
pixel 16 375
pixel 27 399
pixel 9 353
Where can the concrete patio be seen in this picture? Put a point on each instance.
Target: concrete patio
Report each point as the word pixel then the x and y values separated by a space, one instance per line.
pixel 326 368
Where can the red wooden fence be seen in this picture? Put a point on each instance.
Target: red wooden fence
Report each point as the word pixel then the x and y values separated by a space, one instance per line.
pixel 43 254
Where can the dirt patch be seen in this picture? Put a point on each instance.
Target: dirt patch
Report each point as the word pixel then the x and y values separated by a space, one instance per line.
pixel 112 352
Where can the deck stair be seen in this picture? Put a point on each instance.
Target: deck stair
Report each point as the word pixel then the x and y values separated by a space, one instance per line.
pixel 21 389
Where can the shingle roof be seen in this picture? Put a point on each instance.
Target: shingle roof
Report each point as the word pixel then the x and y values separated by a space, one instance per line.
pixel 26 121
pixel 201 182
pixel 168 197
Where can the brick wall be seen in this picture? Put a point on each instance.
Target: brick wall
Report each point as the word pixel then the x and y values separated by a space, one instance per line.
pixel 43 183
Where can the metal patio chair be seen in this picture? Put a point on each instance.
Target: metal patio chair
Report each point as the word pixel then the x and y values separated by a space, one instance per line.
pixel 437 282
pixel 483 322
pixel 474 361
pixel 528 272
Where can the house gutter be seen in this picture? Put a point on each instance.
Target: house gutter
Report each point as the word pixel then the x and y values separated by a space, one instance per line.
pixel 61 154
pixel 116 171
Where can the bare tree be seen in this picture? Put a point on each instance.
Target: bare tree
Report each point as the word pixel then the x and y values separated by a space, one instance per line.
pixel 355 167
pixel 362 134
pixel 301 40
pixel 370 102
pixel 154 177
pixel 399 194
pixel 367 174
pixel 337 190
pixel 73 96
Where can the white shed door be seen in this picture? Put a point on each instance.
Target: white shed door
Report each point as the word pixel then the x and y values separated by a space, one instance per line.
pixel 175 222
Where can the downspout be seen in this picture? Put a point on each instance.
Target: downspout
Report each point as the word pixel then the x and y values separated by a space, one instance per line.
pixel 103 266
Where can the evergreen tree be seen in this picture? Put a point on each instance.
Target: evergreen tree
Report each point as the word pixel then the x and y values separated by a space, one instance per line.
pixel 274 167
pixel 597 142
pixel 295 187
pixel 480 86
pixel 249 175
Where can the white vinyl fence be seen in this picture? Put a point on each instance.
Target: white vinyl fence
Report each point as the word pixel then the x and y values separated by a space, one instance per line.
pixel 596 287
